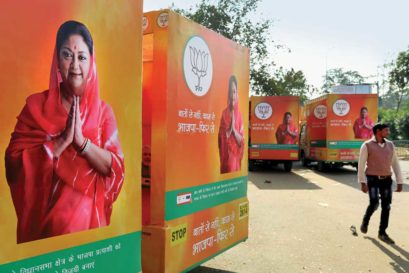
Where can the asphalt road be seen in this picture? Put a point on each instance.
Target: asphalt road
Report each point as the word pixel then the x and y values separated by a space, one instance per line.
pixel 300 222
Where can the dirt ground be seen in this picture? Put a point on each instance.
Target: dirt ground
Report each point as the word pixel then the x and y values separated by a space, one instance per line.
pixel 300 222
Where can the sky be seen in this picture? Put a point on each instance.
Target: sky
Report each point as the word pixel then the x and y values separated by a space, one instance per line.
pixel 359 35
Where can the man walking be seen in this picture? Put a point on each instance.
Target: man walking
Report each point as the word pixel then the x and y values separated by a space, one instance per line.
pixel 376 157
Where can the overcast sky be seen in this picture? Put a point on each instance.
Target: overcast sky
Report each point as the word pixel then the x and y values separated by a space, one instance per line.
pixel 352 34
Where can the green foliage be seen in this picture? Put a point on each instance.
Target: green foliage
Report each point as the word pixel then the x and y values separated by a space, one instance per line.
pixel 237 20
pixel 337 76
pixel 395 102
pixel 399 77
pixel 402 124
pixel 398 122
pixel 289 82
pixel 389 116
pixel 390 100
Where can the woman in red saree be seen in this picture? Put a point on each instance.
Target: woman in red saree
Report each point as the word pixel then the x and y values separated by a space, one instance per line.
pixel 287 132
pixel 363 125
pixel 231 133
pixel 64 164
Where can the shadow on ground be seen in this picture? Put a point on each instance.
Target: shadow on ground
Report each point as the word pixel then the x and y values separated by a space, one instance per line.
pixel 347 176
pixel 274 178
pixel 344 175
pixel 204 269
pixel 400 261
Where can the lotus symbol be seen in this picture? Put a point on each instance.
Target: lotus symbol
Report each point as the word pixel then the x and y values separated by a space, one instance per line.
pixel 199 60
pixel 263 110
pixel 144 23
pixel 197 66
pixel 163 19
pixel 320 112
pixel 341 107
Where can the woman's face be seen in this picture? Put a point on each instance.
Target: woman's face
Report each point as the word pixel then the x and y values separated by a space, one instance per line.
pixel 74 61
pixel 364 113
pixel 287 119
pixel 233 95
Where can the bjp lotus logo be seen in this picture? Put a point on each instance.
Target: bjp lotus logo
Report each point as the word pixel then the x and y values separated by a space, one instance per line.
pixel 341 108
pixel 163 20
pixel 263 111
pixel 145 23
pixel 197 66
pixel 320 112
pixel 199 61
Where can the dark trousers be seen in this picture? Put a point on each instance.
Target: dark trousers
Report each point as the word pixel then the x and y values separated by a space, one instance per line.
pixel 383 188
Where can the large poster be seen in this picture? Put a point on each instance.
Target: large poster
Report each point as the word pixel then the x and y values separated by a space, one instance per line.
pixel 337 124
pixel 70 179
pixel 350 122
pixel 274 131
pixel 199 99
pixel 351 117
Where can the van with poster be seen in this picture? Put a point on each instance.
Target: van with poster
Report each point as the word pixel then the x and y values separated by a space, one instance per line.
pixel 194 163
pixel 335 127
pixel 274 131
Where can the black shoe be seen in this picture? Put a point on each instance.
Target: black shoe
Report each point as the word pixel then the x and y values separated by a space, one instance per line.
pixel 386 239
pixel 364 228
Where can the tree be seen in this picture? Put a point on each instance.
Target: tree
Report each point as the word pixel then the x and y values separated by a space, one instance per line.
pixel 399 77
pixel 288 82
pixel 235 19
pixel 398 122
pixel 389 116
pixel 337 76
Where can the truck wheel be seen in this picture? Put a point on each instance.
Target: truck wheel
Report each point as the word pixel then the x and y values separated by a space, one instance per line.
pixel 251 165
pixel 304 161
pixel 322 166
pixel 288 165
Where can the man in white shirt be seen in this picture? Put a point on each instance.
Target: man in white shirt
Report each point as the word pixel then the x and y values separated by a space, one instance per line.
pixel 376 157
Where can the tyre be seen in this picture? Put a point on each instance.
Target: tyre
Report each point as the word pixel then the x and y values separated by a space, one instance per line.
pixel 322 166
pixel 288 165
pixel 304 161
pixel 251 165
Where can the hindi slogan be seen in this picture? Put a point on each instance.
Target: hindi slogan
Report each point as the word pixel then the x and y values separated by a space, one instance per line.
pixel 196 122
pixel 224 228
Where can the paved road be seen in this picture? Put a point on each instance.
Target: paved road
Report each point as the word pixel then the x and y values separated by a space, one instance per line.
pixel 300 222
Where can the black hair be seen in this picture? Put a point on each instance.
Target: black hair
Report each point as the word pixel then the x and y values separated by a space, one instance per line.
pixel 288 113
pixel 71 28
pixel 232 80
pixel 379 126
pixel 364 108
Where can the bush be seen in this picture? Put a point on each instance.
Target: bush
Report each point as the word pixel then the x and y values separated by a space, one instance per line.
pixel 402 124
pixel 390 116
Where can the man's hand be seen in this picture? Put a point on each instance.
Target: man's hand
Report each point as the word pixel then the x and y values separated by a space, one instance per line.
pixel 364 187
pixel 399 187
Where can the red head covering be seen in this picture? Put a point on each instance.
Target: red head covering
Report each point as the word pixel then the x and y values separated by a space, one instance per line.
pixel 55 197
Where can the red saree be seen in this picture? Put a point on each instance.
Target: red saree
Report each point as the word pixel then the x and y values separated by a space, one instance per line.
pixel 64 195
pixel 362 132
pixel 285 138
pixel 230 152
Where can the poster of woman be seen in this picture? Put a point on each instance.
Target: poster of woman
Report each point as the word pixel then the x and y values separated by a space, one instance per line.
pixel 231 132
pixel 287 132
pixel 70 107
pixel 363 125
pixel 64 163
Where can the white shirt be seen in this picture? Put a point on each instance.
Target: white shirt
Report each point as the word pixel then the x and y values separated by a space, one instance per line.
pixel 363 157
